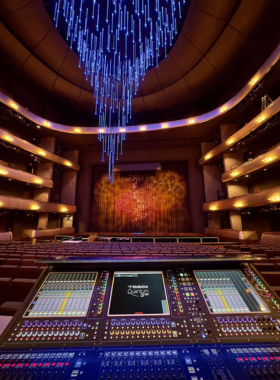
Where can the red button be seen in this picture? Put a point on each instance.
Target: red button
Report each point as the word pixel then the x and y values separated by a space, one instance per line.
pixel 40 364
pixel 259 358
pixel 26 364
pixel 240 359
pixel 60 364
pixel 277 357
pixel 246 359
pixel 66 364
pixel 13 365
pixel 271 358
pixel 33 364
pixel 53 364
pixel 253 359
pixel 1 365
pixel 7 365
pixel 47 364
pixel 19 365
pixel 265 358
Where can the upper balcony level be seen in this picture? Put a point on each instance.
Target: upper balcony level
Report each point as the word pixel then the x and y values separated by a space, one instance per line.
pixel 40 152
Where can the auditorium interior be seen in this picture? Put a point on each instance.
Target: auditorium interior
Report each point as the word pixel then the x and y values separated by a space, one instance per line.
pixel 139 148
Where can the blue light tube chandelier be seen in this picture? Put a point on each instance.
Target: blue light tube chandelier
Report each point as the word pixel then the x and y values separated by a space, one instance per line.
pixel 117 41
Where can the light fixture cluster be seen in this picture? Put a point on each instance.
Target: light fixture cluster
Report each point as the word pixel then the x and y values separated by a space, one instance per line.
pixel 275 198
pixel 238 205
pixel 8 138
pixel 230 141
pixel 268 159
pixel 234 174
pixel 118 41
pixel 3 172
pixel 213 208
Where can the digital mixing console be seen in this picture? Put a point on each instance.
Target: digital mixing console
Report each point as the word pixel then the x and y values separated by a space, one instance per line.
pixel 139 318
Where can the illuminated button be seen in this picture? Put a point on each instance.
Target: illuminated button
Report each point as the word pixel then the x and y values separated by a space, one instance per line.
pixel 240 359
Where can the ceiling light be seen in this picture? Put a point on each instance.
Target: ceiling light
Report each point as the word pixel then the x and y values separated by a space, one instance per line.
pixel 68 163
pixel 46 124
pixel 77 130
pixel 230 141
pixel 223 109
pixel 260 119
pixel 234 174
pixel 142 128
pixel 101 130
pixel 191 121
pixel 8 138
pixel 253 81
pixel 38 126
pixel 164 125
pixel 122 129
pixel 238 204
pixel 39 181
pixel 213 208
pixel 42 153
pixel 269 159
pixel 14 105
pixel 64 209
pixel 3 172
pixel 34 207
pixel 275 198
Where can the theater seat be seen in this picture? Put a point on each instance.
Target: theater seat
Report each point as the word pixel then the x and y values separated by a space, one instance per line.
pixel 264 266
pixel 28 272
pixel 8 271
pixel 10 308
pixel 5 289
pixel 21 287
pixel 273 278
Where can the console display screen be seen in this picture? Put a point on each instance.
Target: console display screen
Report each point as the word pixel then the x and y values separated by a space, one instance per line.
pixel 138 293
pixel 63 294
pixel 228 291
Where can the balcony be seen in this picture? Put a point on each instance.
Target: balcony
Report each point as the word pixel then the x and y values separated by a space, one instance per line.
pixel 259 163
pixel 13 203
pixel 262 198
pixel 22 176
pixel 225 146
pixel 28 147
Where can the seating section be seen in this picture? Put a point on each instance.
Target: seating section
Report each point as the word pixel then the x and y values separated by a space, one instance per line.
pixel 20 269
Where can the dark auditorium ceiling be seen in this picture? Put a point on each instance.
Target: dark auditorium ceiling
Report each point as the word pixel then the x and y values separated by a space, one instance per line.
pixel 221 44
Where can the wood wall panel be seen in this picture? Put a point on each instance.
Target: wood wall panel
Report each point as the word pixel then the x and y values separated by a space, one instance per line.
pixel 239 135
pixel 262 198
pixel 271 238
pixel 49 232
pixel 22 176
pixel 259 163
pixel 40 152
pixel 13 203
pixel 231 234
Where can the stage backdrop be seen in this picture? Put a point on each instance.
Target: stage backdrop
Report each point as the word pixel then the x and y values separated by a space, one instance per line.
pixel 141 201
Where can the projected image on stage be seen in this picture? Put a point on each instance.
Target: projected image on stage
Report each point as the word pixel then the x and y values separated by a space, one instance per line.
pixel 228 291
pixel 138 293
pixel 63 294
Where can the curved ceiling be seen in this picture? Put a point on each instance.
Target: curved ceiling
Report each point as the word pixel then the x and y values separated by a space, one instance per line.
pixel 217 39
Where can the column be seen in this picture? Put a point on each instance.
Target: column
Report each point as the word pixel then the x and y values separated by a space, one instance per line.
pixel 44 169
pixel 232 161
pixel 69 186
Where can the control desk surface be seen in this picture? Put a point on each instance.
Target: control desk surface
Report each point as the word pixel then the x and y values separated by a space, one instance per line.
pixel 152 319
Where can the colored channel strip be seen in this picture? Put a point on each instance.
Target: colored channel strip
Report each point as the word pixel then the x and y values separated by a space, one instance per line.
pixel 100 294
pixel 176 301
pixel 257 283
